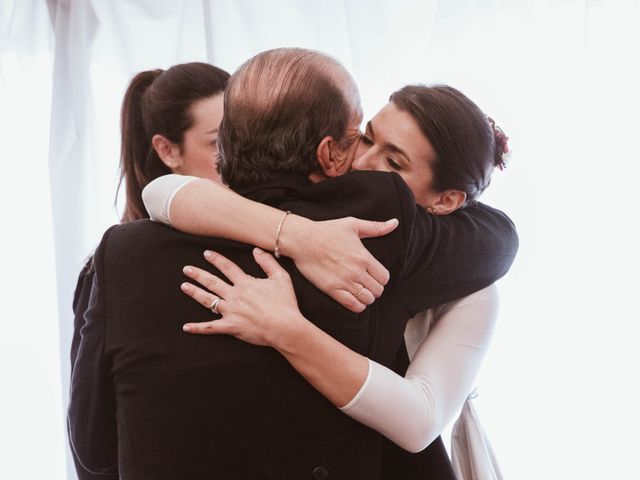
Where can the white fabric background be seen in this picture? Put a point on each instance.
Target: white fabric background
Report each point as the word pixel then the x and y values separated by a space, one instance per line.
pixel 558 390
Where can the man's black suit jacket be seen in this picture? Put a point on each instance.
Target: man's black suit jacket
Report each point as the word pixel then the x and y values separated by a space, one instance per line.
pixel 151 402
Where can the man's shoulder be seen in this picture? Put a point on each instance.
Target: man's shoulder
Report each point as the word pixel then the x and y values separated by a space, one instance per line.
pixel 364 194
pixel 144 230
pixel 364 182
pixel 131 234
pixel 137 227
pixel 138 240
pixel 479 217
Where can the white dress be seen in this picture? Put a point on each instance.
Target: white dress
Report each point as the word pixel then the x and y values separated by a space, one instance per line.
pixel 446 346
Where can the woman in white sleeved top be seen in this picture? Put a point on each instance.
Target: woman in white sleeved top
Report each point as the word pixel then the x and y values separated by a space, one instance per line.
pixel 445 149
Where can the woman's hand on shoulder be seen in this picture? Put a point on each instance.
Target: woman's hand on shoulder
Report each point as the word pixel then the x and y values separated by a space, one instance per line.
pixel 330 254
pixel 261 311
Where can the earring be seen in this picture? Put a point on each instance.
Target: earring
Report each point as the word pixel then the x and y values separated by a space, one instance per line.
pixel 432 210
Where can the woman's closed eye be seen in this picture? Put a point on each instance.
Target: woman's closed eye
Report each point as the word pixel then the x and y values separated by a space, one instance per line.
pixel 366 140
pixel 393 164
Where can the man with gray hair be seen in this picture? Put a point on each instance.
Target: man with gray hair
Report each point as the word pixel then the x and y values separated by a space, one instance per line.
pixel 150 402
pixel 286 110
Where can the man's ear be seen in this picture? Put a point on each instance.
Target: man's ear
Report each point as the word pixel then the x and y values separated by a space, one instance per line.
pixel 168 151
pixel 448 201
pixel 333 160
pixel 326 158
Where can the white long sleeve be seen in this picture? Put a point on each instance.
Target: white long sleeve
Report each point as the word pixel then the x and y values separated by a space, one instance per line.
pixel 412 411
pixel 158 195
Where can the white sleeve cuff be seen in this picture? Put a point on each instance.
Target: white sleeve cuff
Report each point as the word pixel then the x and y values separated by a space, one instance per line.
pixel 398 408
pixel 158 195
pixel 355 399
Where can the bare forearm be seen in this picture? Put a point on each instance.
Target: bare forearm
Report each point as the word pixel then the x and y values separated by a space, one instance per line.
pixel 196 205
pixel 334 370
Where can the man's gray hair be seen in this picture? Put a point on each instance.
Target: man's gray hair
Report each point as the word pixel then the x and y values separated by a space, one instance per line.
pixel 278 106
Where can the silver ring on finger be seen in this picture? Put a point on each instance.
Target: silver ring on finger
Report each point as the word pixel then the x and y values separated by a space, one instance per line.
pixel 214 305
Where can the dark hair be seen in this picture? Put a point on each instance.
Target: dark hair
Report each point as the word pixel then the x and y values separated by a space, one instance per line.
pixel 460 133
pixel 278 106
pixel 159 102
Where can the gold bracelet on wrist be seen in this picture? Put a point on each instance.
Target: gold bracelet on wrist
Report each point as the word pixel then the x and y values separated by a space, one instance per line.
pixel 276 249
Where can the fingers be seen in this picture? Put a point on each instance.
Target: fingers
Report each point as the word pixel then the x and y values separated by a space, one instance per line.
pixel 371 284
pixel 268 263
pixel 349 301
pixel 203 297
pixel 379 274
pixel 230 270
pixel 214 284
pixel 369 229
pixel 373 279
pixel 214 327
pixel 364 295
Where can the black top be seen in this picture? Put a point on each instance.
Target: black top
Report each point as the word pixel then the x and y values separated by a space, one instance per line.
pixel 151 402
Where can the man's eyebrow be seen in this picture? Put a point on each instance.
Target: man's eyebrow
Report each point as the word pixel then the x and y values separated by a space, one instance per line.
pixel 389 146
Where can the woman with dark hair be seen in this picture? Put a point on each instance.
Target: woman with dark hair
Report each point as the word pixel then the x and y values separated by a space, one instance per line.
pixel 169 124
pixel 445 149
pixel 458 145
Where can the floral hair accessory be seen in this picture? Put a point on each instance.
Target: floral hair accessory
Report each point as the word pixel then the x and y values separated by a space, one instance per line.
pixel 502 144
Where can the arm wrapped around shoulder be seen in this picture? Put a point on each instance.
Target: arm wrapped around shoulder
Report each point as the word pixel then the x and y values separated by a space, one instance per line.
pixel 454 255
pixel 412 411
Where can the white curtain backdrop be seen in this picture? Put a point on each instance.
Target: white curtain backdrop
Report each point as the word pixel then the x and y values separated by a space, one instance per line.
pixel 558 390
